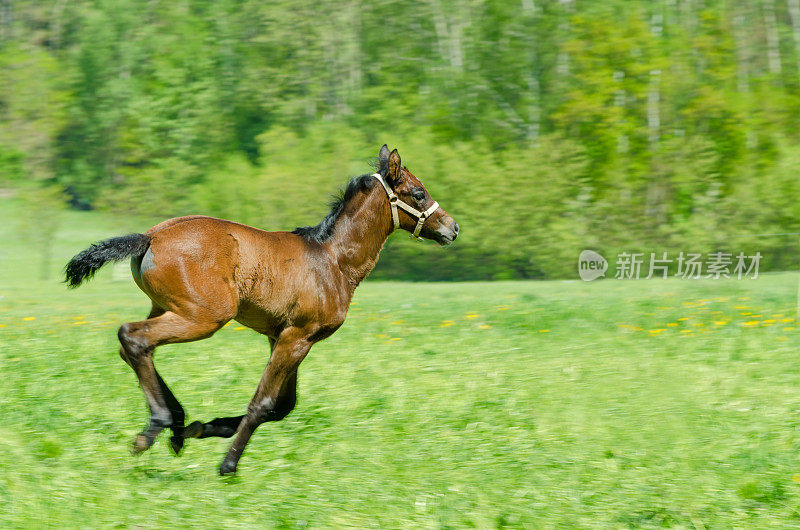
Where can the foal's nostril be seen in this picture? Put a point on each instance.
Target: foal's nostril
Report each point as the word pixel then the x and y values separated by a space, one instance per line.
pixel 455 227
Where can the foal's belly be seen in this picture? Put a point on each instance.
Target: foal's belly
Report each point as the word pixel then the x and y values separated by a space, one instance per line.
pixel 259 320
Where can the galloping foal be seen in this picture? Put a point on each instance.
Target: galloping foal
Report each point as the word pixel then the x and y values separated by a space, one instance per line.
pixel 294 287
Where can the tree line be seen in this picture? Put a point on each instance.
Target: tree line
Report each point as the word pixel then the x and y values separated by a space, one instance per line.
pixel 543 127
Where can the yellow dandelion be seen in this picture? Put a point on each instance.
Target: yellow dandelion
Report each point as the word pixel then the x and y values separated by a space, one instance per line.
pixel 446 323
pixel 396 338
pixel 672 324
pixel 398 322
pixel 78 318
pixel 683 318
pixel 3 325
pixel 686 331
pixel 698 324
pixel 28 319
pixel 744 298
pixel 741 307
pixel 758 316
pixel 502 308
pixel 79 323
pixel 704 300
pixel 655 331
pixel 796 478
pixel 788 328
pixel 769 321
pixel 750 323
pixel 484 326
pixel 472 315
pixel 787 320
pixel 778 315
pixel 720 322
pixel 745 313
pixel 544 331
pixel 382 336
pixel 239 328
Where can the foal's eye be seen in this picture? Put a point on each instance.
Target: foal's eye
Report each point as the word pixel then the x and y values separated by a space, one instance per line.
pixel 418 194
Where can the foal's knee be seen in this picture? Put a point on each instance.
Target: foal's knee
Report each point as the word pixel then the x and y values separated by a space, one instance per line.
pixel 270 409
pixel 133 347
pixel 284 407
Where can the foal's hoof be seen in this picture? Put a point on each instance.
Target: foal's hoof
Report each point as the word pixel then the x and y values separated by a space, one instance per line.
pixel 227 468
pixel 176 444
pixel 141 444
pixel 193 430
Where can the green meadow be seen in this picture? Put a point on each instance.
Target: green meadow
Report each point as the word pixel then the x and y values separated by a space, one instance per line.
pixel 505 404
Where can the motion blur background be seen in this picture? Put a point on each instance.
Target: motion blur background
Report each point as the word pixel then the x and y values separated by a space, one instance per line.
pixel 544 127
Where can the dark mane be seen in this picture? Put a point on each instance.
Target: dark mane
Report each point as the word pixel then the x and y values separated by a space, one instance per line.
pixel 324 230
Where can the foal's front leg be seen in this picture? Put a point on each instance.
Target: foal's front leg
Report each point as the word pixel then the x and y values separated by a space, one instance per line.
pixel 218 427
pixel 227 427
pixel 276 394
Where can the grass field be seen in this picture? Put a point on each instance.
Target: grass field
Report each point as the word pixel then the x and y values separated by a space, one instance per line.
pixel 510 404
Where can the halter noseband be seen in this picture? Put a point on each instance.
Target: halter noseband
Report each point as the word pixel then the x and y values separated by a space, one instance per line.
pixel 394 202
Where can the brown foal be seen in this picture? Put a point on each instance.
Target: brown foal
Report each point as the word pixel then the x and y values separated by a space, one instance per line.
pixel 294 287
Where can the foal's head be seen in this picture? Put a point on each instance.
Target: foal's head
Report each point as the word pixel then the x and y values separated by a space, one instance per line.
pixel 438 225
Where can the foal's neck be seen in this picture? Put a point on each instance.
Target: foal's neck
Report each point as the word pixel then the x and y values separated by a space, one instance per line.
pixel 360 232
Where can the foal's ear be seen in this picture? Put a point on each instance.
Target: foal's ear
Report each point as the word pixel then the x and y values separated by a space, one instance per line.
pixel 394 167
pixel 383 160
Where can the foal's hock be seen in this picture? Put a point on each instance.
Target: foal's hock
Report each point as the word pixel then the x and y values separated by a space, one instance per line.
pixel 201 272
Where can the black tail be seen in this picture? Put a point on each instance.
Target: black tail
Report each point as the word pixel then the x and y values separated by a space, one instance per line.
pixel 89 261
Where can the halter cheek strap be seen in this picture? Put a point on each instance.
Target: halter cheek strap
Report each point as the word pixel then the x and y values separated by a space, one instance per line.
pixel 395 202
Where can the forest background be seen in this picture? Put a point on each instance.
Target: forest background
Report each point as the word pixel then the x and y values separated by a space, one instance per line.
pixel 543 127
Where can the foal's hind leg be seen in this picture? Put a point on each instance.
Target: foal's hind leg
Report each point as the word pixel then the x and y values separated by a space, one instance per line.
pixel 139 340
pixel 174 406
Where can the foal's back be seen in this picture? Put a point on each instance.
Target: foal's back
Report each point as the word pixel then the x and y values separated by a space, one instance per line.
pixel 227 270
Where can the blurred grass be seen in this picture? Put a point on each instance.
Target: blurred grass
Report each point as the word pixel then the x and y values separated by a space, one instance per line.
pixel 436 405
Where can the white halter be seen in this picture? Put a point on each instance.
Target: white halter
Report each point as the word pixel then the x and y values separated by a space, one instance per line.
pixel 394 202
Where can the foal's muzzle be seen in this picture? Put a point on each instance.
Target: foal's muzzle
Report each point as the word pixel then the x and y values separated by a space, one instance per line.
pixel 447 234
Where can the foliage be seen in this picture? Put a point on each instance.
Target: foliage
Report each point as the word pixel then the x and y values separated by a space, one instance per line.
pixel 546 127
